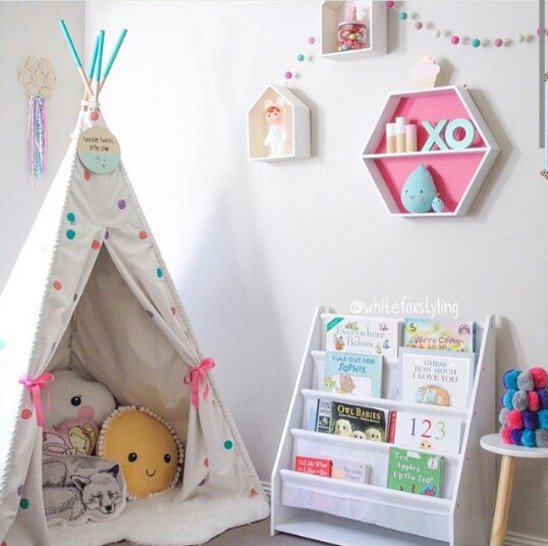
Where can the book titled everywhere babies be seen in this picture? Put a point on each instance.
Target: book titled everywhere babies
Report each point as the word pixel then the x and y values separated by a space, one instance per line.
pixel 356 334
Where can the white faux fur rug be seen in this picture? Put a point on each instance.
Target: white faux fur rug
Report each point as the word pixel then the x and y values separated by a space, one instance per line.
pixel 159 521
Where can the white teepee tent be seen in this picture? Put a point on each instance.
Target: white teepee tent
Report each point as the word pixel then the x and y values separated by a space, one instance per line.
pixel 91 292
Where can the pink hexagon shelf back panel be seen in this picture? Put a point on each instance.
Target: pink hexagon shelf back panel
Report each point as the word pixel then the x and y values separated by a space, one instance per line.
pixel 457 173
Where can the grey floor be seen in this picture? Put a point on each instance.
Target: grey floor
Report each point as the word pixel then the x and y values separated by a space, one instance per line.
pixel 256 534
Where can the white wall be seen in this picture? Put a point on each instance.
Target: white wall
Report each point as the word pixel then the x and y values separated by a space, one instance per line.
pixel 254 248
pixel 31 28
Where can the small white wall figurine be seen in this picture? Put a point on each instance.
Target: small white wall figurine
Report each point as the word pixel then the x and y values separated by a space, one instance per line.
pixel 276 136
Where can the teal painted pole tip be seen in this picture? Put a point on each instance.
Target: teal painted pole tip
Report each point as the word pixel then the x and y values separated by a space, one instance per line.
pixel 94 58
pixel 70 43
pixel 99 64
pixel 115 52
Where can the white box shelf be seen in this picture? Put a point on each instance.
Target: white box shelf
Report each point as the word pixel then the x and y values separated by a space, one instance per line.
pixel 346 513
pixel 334 12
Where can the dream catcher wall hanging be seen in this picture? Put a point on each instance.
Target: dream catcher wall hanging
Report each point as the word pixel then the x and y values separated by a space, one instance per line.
pixel 38 80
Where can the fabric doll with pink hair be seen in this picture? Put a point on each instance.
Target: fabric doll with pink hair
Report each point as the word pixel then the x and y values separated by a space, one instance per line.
pixel 276 136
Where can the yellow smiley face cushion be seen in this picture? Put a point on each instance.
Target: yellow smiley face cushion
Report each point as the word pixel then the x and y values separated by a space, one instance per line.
pixel 145 446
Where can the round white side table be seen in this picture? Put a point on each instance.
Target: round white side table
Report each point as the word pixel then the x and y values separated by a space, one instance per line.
pixel 493 443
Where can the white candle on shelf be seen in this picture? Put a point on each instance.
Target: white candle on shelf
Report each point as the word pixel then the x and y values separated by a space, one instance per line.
pixel 411 138
pixel 390 138
pixel 400 134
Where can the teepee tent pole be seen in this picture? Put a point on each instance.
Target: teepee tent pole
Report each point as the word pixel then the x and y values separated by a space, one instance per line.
pixel 94 59
pixel 75 56
pixel 99 65
pixel 113 56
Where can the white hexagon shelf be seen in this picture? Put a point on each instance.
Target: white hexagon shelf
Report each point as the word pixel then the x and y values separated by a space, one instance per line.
pixel 457 173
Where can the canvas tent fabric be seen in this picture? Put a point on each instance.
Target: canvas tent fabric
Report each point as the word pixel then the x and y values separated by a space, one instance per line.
pixel 91 292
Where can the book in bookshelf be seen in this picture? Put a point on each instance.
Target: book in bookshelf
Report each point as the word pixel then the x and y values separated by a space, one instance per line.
pixel 352 421
pixel 313 465
pixel 356 334
pixel 441 378
pixel 415 472
pixel 424 431
pixel 447 335
pixel 358 375
pixel 349 471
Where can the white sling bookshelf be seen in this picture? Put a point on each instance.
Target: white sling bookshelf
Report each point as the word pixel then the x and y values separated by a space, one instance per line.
pixel 349 514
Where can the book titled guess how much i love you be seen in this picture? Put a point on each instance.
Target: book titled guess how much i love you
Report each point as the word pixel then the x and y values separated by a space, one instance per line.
pixel 355 334
pixel 440 378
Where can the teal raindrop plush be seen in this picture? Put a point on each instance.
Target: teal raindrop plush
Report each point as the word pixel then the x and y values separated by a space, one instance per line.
pixel 419 192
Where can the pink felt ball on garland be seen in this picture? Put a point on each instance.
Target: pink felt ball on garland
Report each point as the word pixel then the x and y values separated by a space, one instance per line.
pixel 390 4
pixel 419 25
pixel 288 74
pixel 455 40
pixel 311 40
pixel 498 42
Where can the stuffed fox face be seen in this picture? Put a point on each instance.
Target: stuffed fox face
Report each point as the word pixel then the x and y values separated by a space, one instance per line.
pixel 145 446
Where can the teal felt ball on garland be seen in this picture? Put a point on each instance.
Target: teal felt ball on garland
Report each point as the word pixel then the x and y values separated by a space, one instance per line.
pixel 403 15
pixel 476 42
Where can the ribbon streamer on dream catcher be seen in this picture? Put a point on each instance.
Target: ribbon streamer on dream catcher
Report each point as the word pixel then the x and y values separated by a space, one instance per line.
pixel 38 80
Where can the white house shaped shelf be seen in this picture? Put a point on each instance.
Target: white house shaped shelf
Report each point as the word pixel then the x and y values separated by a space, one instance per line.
pixel 457 173
pixel 278 126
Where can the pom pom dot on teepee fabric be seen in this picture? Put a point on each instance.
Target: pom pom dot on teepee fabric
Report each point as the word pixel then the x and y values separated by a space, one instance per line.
pixel 253 492
pixel 20 490
pixel 159 272
pixel 96 245
pixel 228 444
pixel 390 4
pixel 24 503
pixel 94 116
pixel 206 463
pixel 70 234
pixel 87 175
pixel 203 482
pixel 71 217
pixel 26 414
pixel 57 285
pixel 143 235
pixel 121 204
pixel 173 310
pixel 149 313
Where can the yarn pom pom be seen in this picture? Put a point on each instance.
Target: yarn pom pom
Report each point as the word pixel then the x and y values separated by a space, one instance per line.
pixel 530 419
pixel 528 438
pixel 515 420
pixel 543 418
pixel 541 437
pixel 510 379
pixel 520 400
pixel 540 377
pixel 505 435
pixel 516 437
pixel 533 401
pixel 525 381
pixel 503 417
pixel 507 399
pixel 543 398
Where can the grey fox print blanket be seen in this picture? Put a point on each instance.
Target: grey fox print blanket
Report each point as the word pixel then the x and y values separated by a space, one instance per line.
pixel 78 488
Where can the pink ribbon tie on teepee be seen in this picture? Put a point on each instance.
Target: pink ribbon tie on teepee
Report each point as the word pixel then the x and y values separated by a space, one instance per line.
pixel 193 378
pixel 35 386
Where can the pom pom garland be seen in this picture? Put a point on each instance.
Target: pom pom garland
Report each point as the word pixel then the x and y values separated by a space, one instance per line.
pixel 515 420
pixel 540 377
pixel 510 379
pixel 533 401
pixel 520 401
pixel 541 437
pixel 524 412
pixel 530 419
pixel 525 382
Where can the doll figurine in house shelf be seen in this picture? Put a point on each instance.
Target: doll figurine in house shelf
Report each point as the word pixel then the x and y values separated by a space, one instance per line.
pixel 276 136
